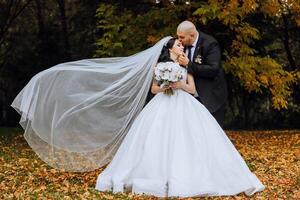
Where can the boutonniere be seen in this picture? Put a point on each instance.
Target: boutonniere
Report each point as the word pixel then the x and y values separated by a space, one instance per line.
pixel 198 59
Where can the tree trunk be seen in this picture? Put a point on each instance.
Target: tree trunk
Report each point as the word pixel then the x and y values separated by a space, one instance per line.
pixel 43 47
pixel 64 27
pixel 12 12
pixel 40 20
pixel 286 43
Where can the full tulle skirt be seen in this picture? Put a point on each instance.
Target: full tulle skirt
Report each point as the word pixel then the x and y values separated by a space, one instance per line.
pixel 175 148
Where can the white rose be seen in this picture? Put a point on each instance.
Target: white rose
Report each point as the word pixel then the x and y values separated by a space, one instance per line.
pixel 166 75
pixel 160 66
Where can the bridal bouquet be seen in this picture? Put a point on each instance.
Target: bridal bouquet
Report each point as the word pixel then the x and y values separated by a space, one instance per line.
pixel 166 73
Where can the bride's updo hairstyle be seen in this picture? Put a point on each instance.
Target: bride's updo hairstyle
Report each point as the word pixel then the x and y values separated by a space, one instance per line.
pixel 165 54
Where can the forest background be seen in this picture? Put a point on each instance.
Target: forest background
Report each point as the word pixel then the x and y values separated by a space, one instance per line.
pixel 259 40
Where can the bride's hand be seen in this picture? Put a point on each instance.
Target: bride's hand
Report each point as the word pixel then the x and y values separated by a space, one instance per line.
pixel 165 87
pixel 177 85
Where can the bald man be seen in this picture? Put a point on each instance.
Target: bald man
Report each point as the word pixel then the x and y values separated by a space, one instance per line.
pixel 203 60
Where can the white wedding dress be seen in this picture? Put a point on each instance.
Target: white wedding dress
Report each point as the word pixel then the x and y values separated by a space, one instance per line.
pixel 175 148
pixel 79 115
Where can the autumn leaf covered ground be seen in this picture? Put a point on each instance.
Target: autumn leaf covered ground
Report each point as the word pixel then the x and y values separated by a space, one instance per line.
pixel 272 155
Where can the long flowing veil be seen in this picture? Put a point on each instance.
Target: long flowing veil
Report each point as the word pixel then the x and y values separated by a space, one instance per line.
pixel 76 114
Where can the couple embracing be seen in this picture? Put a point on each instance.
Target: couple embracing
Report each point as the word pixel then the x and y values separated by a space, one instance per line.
pixel 201 56
pixel 82 115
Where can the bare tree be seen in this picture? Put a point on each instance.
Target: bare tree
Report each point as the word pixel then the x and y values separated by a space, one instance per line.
pixel 64 27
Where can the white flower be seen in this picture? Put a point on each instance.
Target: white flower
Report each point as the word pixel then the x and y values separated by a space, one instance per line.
pixel 160 66
pixel 157 72
pixel 166 75
pixel 168 72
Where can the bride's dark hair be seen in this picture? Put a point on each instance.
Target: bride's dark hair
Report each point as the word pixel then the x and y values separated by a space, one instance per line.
pixel 165 54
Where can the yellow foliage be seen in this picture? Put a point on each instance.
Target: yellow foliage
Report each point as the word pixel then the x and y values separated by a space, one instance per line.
pixel 263 79
pixel 256 73
pixel 241 48
pixel 248 7
pixel 296 11
pixel 271 8
pixel 253 71
pixel 152 39
pixel 246 32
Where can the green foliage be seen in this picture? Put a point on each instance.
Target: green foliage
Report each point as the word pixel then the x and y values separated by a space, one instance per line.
pixel 126 32
pixel 111 25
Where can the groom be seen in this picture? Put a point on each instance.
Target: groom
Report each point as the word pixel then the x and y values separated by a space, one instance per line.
pixel 203 60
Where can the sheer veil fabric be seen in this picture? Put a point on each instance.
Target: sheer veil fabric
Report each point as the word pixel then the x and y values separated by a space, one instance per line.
pixel 76 114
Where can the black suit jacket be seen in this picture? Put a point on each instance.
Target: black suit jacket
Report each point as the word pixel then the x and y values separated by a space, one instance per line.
pixel 208 74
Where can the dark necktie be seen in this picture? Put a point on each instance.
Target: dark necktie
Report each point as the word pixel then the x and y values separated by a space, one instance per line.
pixel 189 48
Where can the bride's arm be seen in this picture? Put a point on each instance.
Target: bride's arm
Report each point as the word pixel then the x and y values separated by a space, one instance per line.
pixel 156 89
pixel 188 86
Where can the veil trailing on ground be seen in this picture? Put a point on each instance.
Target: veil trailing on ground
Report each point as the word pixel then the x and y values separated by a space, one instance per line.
pixel 76 114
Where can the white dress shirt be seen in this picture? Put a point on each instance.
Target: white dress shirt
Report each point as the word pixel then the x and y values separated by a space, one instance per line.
pixel 192 54
pixel 193 46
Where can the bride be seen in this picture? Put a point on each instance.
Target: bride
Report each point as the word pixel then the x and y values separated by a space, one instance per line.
pixel 80 115
pixel 175 147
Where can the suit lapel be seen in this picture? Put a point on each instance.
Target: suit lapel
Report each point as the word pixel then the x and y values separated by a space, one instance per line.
pixel 198 46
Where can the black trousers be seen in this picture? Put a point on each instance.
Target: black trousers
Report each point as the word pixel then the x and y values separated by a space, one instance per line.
pixel 218 114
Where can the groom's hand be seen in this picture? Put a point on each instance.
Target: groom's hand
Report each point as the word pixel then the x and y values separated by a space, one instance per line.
pixel 183 60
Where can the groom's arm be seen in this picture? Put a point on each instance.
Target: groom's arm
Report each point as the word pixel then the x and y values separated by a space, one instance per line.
pixel 212 63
